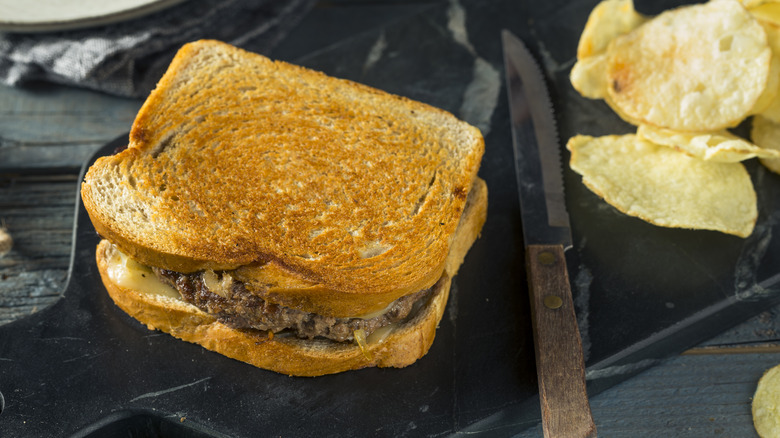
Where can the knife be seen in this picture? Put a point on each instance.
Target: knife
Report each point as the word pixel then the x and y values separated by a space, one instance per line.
pixel 546 235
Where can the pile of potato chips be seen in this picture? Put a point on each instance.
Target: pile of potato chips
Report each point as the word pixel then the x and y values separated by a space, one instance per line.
pixel 683 78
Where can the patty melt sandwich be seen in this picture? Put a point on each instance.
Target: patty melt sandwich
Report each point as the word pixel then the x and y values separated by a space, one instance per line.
pixel 294 221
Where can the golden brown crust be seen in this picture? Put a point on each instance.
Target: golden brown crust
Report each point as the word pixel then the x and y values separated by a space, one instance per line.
pixel 292 356
pixel 236 159
pixel 469 227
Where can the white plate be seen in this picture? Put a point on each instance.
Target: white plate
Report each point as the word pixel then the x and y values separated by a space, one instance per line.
pixel 51 15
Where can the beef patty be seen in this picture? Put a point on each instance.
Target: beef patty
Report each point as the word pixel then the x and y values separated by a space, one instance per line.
pixel 237 307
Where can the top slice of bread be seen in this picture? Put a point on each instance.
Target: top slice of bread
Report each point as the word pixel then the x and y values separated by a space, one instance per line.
pixel 236 160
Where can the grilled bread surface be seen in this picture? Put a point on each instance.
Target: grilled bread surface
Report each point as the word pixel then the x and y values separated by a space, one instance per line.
pixel 407 342
pixel 319 187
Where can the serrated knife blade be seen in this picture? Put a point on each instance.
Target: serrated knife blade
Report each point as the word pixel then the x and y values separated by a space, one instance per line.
pixel 546 234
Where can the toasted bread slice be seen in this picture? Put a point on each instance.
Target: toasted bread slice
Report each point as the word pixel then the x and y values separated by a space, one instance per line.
pixel 336 188
pixel 402 346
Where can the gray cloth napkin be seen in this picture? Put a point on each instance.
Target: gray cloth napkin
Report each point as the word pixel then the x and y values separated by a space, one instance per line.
pixel 128 58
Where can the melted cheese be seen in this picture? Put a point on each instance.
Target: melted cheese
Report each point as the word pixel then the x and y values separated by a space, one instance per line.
pixel 128 273
pixel 379 335
pixel 375 314
pixel 218 286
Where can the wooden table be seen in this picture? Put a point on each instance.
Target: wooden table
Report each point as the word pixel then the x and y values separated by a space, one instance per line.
pixel 47 131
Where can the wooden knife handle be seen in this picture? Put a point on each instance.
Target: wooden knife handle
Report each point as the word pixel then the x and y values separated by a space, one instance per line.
pixel 559 363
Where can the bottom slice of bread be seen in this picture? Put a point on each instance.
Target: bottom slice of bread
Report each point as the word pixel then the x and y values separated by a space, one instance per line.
pixel 404 344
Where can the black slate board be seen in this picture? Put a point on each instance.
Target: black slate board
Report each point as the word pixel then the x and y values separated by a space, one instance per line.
pixel 83 367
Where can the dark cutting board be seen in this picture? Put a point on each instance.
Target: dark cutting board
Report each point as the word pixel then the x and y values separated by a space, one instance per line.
pixel 643 293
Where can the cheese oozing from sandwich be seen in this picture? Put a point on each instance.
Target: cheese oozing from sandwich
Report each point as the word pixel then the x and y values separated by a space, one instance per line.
pixel 130 274
pixel 219 294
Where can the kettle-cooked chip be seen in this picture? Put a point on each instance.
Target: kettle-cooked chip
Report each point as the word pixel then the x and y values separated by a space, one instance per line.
pixel 768 101
pixel 665 187
pixel 766 134
pixel 752 4
pixel 715 146
pixel 766 404
pixel 589 78
pixel 607 20
pixel 695 68
pixel 768 105
pixel 764 9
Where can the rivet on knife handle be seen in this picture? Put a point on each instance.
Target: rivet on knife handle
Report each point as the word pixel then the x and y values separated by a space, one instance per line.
pixel 559 361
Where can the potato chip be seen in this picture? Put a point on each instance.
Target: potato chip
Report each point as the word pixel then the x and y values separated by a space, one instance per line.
pixel 665 187
pixel 625 117
pixel 768 101
pixel 768 105
pixel 589 76
pixel 715 146
pixel 751 3
pixel 695 68
pixel 768 10
pixel 766 134
pixel 766 404
pixel 609 19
